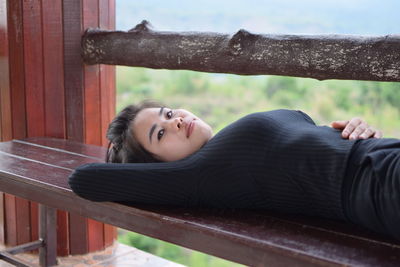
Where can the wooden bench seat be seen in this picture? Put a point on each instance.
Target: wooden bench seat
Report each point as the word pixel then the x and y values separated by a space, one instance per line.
pixel 37 169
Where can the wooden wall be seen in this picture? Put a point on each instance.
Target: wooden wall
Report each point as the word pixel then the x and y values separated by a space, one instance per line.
pixel 47 91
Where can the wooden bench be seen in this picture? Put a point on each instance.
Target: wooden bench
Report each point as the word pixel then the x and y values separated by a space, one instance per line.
pixel 37 169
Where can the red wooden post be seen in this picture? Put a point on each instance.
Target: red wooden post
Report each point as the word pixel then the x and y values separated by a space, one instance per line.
pixel 47 91
pixel 5 117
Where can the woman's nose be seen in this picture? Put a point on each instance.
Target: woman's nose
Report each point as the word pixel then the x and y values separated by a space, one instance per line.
pixel 176 123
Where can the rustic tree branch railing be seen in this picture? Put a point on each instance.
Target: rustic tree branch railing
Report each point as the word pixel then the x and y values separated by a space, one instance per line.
pixel 315 56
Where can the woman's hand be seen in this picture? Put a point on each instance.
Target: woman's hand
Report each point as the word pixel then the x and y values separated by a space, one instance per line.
pixel 356 128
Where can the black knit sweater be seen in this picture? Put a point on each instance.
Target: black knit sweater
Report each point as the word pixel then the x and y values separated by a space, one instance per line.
pixel 277 160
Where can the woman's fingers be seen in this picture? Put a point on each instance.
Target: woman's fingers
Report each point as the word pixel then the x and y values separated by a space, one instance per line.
pixel 339 124
pixel 378 134
pixel 356 128
pixel 353 128
pixel 367 133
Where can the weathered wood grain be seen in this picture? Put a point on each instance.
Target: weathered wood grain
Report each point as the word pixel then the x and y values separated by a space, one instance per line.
pixel 316 56
pixel 5 101
pixel 73 70
pixel 17 66
pixel 34 67
pixel 53 67
pixel 67 146
pixel 5 92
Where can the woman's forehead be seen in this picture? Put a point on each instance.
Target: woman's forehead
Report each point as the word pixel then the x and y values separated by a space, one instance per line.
pixel 147 116
pixel 143 123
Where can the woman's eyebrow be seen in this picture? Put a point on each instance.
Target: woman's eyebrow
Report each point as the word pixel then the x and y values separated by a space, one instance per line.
pixel 155 125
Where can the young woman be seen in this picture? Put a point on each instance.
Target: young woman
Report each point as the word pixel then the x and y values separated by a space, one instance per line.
pixel 277 160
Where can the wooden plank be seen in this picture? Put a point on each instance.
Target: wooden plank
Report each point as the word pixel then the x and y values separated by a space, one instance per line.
pixel 53 69
pixel 111 14
pixel 5 98
pixel 33 171
pixel 23 220
pixel 68 146
pixel 10 220
pixel 78 234
pixel 112 94
pixel 110 234
pixel 33 53
pixel 92 106
pixel 96 235
pixel 5 107
pixel 62 233
pixel 93 134
pixel 17 69
pixel 73 69
pixel 42 154
pixel 104 105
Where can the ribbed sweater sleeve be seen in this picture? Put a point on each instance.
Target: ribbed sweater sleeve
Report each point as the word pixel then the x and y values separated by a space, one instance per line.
pixel 277 160
pixel 147 183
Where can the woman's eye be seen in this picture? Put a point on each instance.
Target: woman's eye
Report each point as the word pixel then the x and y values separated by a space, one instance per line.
pixel 160 134
pixel 169 114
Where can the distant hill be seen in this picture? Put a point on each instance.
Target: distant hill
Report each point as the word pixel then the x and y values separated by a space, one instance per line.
pixel 365 17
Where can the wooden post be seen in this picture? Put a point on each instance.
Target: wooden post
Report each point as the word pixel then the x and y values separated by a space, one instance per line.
pixel 47 91
pixel 48 234
pixel 5 116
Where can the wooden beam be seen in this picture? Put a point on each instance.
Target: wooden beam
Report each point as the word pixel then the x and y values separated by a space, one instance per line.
pixel 315 56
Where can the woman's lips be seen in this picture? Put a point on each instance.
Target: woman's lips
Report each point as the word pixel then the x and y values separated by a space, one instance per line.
pixel 189 129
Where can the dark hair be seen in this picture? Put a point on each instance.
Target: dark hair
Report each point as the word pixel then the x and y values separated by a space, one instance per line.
pixel 123 146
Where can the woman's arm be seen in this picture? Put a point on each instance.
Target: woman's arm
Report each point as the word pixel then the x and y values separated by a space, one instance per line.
pixel 356 128
pixel 146 183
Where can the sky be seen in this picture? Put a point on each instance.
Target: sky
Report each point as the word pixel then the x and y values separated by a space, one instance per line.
pixel 361 17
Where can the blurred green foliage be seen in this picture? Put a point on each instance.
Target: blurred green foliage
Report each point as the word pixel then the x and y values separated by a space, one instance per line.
pixel 219 99
pixel 172 252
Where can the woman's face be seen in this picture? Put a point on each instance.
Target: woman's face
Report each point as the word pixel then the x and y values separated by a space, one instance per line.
pixel 170 134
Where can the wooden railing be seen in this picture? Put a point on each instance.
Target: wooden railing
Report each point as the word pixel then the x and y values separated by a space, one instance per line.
pixel 315 56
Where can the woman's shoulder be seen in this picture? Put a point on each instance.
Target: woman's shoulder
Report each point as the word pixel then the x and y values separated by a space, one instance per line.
pixel 279 115
pixel 264 124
